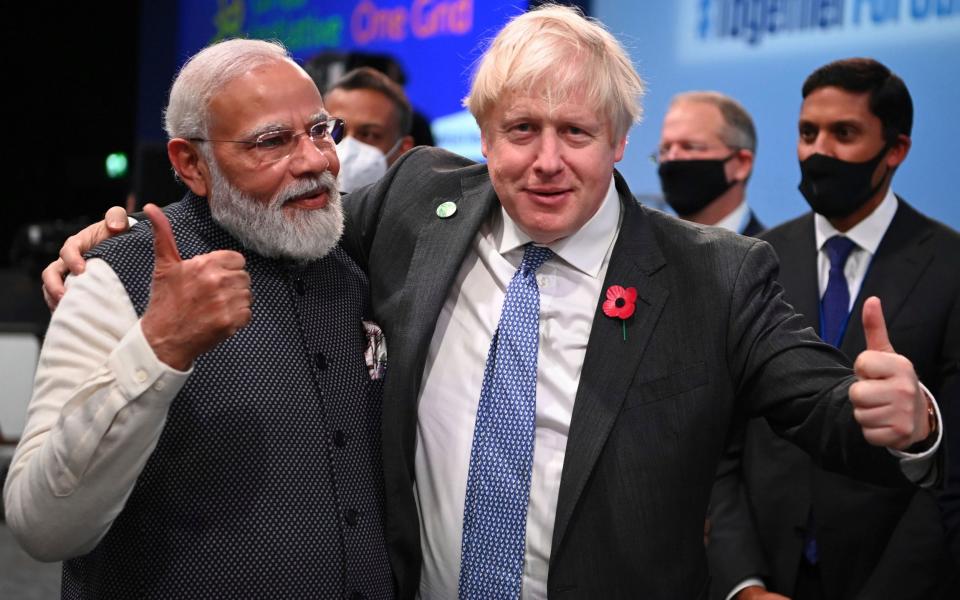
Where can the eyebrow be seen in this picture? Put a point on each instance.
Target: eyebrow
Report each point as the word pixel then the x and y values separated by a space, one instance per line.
pixel 278 126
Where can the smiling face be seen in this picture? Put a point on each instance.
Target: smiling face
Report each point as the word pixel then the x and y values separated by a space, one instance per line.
pixel 275 96
pixel 550 165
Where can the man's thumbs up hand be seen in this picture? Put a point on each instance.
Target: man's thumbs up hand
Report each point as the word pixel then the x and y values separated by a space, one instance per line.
pixel 194 304
pixel 887 400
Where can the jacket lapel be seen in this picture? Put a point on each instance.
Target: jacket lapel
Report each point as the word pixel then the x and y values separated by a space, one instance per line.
pixel 438 256
pixel 610 361
pixel 901 258
pixel 797 254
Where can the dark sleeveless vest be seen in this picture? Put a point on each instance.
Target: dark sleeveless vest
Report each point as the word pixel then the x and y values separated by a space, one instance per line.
pixel 267 479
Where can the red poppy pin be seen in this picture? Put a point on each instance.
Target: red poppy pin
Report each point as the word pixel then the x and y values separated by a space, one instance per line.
pixel 620 304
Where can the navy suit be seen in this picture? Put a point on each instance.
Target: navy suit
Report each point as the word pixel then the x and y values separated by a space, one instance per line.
pixel 874 542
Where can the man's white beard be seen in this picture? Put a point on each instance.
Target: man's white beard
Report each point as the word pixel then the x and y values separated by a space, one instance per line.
pixel 266 229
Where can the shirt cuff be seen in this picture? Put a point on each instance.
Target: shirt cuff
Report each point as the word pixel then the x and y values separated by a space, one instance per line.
pixel 917 466
pixel 138 369
pixel 753 581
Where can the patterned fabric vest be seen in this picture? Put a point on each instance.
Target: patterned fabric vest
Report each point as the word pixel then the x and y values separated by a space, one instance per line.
pixel 267 479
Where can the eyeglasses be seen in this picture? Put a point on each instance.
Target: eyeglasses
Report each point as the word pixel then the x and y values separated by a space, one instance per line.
pixel 278 144
pixel 689 149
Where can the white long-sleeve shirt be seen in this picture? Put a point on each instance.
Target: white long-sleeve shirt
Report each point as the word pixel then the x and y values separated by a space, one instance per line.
pixel 99 404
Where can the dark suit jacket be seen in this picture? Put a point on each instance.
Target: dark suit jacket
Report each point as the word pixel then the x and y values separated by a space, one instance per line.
pixel 711 340
pixel 873 542
pixel 754 226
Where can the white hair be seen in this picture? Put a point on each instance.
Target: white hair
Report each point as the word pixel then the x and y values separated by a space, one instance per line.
pixel 265 228
pixel 187 114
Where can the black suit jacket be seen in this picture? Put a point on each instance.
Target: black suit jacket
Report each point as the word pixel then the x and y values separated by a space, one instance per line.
pixel 711 340
pixel 873 542
pixel 754 226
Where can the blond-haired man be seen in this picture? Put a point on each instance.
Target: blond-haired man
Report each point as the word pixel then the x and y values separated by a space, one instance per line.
pixel 565 365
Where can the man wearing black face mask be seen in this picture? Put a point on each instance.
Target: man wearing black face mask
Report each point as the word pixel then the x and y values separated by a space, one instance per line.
pixel 706 152
pixel 779 522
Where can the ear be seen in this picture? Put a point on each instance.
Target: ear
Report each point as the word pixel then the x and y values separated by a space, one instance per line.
pixel 483 142
pixel 189 165
pixel 744 165
pixel 898 152
pixel 620 148
pixel 405 144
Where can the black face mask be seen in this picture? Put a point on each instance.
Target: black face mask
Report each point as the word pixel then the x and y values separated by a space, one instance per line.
pixel 836 188
pixel 690 185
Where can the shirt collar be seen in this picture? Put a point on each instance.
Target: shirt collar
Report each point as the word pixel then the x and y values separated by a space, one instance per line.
pixel 737 220
pixel 868 232
pixel 585 250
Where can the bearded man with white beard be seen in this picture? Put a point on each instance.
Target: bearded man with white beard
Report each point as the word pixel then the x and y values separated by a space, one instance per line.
pixel 204 422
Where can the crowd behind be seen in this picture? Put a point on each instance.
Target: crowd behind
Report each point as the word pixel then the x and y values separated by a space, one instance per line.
pixel 214 411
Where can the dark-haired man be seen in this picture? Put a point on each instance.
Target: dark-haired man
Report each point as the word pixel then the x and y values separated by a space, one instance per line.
pixel 378 117
pixel 706 153
pixel 802 531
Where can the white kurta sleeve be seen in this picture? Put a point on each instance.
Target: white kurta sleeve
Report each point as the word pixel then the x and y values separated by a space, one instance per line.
pixel 100 401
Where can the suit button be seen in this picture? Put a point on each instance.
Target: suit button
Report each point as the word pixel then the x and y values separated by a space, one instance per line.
pixel 321 360
pixel 351 516
pixel 339 438
pixel 299 286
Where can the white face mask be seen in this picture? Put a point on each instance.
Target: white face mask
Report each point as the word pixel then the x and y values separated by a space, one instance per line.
pixel 360 164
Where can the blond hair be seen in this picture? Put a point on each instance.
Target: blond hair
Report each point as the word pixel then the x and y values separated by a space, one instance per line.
pixel 557 52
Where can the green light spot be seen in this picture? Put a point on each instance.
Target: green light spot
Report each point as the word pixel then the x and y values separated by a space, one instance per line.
pixel 116 165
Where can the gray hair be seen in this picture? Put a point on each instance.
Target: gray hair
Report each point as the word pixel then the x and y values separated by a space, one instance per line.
pixel 738 130
pixel 187 114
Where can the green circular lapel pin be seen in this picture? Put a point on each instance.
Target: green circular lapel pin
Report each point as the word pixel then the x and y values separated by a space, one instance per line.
pixel 446 210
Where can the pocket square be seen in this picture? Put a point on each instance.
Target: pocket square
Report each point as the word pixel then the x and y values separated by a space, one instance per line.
pixel 375 353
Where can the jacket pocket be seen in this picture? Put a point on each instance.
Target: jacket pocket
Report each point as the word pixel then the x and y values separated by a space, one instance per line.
pixel 662 387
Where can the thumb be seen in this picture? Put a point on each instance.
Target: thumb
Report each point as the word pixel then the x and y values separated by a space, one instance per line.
pixel 116 220
pixel 164 245
pixel 875 327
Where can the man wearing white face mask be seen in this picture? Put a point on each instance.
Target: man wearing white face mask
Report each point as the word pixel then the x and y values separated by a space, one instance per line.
pixel 378 117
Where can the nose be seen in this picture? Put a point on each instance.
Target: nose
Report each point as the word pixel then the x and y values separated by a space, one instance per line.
pixel 669 152
pixel 549 159
pixel 309 158
pixel 821 144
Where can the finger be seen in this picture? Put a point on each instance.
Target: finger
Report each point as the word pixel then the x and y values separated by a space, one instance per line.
pixel 875 327
pixel 53 288
pixel 50 300
pixel 116 220
pixel 227 259
pixel 871 364
pixel 164 244
pixel 71 255
pixel 235 280
pixel 870 393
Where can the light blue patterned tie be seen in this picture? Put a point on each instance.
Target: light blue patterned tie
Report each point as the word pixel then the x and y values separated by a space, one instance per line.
pixel 498 484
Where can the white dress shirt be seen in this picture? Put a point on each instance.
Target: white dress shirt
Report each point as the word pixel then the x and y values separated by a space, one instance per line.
pixel 737 220
pixel 100 401
pixel 570 285
pixel 866 234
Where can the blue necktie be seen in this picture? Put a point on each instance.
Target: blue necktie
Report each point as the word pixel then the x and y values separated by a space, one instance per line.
pixel 835 304
pixel 501 458
pixel 834 314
